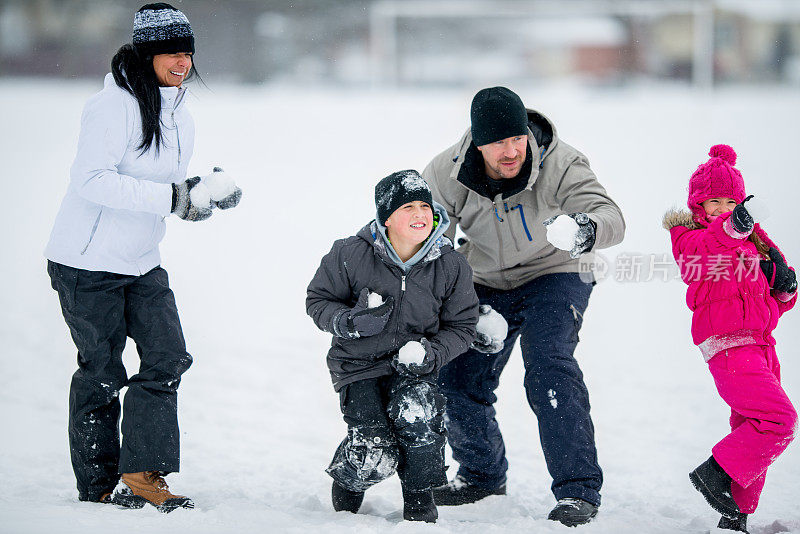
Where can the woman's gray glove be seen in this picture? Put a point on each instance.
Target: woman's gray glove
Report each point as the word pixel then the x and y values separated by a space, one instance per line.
pixel 361 320
pixel 191 200
pixel 222 189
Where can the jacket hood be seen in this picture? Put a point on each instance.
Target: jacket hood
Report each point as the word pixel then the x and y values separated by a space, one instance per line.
pixel 679 217
pixel 542 140
pixel 375 234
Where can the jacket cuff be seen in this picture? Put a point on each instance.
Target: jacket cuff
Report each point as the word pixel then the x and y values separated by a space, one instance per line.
pixel 174 198
pixel 727 227
pixel 335 326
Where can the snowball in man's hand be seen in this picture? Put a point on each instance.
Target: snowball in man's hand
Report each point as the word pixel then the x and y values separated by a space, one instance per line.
pixel 562 231
pixel 219 184
pixel 493 325
pixel 200 196
pixel 412 353
pixel 374 300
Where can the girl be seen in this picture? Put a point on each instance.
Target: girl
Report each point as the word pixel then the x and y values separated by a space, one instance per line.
pixel 135 143
pixel 400 304
pixel 739 285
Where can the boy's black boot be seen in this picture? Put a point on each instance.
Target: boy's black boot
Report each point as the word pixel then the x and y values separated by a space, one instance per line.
pixel 345 500
pixel 739 524
pixel 715 485
pixel 573 512
pixel 459 491
pixel 419 506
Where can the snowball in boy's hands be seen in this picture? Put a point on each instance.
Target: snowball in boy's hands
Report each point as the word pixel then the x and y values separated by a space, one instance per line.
pixel 412 353
pixel 757 209
pixel 374 300
pixel 562 231
pixel 415 358
pixel 200 196
pixel 492 330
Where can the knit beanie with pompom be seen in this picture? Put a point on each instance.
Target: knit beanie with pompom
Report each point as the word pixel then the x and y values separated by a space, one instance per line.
pixel 716 178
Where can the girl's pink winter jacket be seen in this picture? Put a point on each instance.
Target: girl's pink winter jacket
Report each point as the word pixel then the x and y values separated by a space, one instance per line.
pixel 729 295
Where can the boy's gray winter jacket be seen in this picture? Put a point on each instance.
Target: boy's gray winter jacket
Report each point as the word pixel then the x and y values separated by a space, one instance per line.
pixel 507 244
pixel 435 299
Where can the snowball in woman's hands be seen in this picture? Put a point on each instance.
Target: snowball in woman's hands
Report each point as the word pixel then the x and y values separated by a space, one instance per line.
pixel 562 231
pixel 374 300
pixel 412 353
pixel 200 196
pixel 219 184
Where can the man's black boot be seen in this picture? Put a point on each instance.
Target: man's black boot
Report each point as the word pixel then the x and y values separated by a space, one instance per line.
pixel 739 524
pixel 344 499
pixel 458 491
pixel 419 506
pixel 715 486
pixel 573 512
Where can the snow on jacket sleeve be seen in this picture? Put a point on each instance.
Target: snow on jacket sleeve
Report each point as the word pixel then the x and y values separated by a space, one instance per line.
pixel 579 191
pixel 106 130
pixel 329 290
pixel 458 315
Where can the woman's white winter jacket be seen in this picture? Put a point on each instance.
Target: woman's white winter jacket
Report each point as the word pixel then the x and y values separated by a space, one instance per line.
pixel 112 216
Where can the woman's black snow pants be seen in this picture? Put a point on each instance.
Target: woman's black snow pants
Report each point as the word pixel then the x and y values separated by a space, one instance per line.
pixel 102 309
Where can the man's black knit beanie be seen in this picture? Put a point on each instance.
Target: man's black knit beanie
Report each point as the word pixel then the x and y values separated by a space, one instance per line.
pixel 497 113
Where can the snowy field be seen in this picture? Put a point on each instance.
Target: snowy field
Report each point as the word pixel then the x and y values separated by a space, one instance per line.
pixel 259 419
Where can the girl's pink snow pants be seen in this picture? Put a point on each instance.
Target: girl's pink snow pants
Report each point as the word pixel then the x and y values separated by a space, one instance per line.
pixel 763 420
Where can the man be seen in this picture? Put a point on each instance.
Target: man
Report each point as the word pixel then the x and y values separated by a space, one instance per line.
pixel 502 183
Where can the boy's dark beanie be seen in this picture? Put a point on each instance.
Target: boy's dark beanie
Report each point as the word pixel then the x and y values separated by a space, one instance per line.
pixel 497 113
pixel 397 189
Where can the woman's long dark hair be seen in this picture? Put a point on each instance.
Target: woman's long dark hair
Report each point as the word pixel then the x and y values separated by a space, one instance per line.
pixel 134 73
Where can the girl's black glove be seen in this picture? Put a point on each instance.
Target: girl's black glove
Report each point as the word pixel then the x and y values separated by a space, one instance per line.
pixel 778 273
pixel 741 219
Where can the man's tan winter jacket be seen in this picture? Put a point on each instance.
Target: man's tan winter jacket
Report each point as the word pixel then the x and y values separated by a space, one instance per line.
pixel 507 244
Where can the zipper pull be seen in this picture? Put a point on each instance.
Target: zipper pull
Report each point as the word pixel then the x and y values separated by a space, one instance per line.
pixel 403 283
pixel 496 213
pixel 505 207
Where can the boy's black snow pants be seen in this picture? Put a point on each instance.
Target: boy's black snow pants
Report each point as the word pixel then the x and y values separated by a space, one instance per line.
pixel 393 422
pixel 102 309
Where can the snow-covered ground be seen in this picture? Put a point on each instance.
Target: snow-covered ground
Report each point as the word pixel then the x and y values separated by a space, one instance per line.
pixel 259 419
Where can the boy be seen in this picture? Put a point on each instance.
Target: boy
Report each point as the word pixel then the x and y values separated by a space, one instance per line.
pixel 400 303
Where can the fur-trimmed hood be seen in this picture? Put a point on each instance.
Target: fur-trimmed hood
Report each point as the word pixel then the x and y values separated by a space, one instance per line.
pixel 679 217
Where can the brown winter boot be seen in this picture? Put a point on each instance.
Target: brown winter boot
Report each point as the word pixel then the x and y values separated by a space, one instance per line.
pixel 137 489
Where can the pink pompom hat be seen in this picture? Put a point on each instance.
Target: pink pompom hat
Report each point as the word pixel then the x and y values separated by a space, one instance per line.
pixel 714 179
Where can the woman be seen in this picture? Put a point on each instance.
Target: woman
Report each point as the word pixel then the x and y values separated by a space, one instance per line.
pixel 129 173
